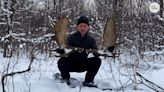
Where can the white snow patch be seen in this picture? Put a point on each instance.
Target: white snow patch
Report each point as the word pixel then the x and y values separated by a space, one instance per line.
pixel 40 5
pixel 90 5
pixel 39 79
pixel 154 53
pixel 159 17
pixel 3 23
pixel 20 45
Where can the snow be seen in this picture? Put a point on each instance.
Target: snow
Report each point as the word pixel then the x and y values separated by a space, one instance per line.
pixel 40 5
pixel 2 39
pixel 7 11
pixel 35 40
pixel 3 23
pixel 20 45
pixel 49 35
pixel 155 52
pixel 67 10
pixel 90 5
pixel 159 46
pixel 110 74
pixel 113 72
pixel 3 9
pixel 159 17
pixel 158 75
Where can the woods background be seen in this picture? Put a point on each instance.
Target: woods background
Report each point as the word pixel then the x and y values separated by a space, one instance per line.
pixel 26 24
pixel 26 29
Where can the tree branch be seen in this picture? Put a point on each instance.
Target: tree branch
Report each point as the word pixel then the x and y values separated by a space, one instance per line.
pixel 155 85
pixel 14 73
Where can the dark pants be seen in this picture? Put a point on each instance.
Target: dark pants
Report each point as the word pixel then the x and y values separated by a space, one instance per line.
pixel 68 64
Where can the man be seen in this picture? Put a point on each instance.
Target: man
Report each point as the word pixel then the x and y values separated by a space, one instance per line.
pixel 78 61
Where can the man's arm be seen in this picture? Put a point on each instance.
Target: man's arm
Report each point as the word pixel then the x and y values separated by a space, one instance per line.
pixel 70 42
pixel 93 44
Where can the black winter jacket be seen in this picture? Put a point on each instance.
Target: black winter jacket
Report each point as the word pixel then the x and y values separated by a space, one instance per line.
pixel 86 42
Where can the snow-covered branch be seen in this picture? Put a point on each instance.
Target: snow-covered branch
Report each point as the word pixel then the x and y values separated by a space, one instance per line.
pixel 4 76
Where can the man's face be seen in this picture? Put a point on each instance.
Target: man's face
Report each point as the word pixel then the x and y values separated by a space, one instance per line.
pixel 83 28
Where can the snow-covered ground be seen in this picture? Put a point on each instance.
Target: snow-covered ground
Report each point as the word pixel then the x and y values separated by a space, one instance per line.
pixel 112 74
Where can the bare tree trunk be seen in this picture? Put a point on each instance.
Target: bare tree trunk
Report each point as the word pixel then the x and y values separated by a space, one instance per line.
pixel 161 8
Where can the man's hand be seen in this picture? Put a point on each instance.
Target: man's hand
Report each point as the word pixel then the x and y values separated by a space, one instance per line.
pixel 60 51
pixel 96 54
pixel 110 49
